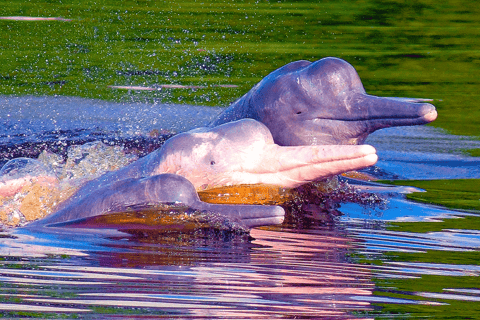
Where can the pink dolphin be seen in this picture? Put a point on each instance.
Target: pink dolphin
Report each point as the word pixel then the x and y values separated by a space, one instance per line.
pixel 239 152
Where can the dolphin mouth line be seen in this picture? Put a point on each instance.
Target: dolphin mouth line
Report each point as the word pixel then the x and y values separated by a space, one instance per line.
pixel 390 118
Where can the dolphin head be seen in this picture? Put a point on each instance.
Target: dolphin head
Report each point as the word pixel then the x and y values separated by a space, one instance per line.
pixel 112 205
pixel 244 152
pixel 322 103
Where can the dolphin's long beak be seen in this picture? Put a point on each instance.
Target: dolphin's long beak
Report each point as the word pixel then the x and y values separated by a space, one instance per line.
pixel 249 216
pixel 382 112
pixel 428 111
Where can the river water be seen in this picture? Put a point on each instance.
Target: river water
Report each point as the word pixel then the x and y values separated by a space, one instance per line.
pixel 314 271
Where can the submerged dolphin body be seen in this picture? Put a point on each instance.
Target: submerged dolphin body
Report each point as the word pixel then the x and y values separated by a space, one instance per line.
pixel 235 153
pixel 322 103
pixel 166 188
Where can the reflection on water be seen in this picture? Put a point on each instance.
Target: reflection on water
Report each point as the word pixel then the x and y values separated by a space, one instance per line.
pixel 272 272
pixel 279 272
pixel 309 273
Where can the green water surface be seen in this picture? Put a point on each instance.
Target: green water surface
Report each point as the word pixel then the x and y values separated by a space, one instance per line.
pixel 455 194
pixel 425 49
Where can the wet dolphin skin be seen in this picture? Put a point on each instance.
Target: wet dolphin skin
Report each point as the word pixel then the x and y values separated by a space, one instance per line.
pixel 323 102
pixel 235 153
pixel 159 189
pixel 303 122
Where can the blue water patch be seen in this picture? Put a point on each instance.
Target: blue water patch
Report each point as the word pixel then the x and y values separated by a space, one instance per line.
pixel 423 152
pixel 30 119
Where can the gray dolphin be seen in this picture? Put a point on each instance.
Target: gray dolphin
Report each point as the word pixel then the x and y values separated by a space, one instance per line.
pixel 167 188
pixel 321 103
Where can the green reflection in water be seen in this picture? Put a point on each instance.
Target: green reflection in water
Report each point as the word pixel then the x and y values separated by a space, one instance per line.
pixel 425 49
pixel 434 256
pixel 455 193
pixel 466 223
pixel 444 296
pixel 443 308
pixel 473 152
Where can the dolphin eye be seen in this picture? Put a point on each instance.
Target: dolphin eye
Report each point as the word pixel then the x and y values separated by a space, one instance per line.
pixel 299 112
pixel 212 162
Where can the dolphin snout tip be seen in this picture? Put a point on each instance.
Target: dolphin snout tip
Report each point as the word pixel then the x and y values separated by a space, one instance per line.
pixel 430 115
pixel 370 156
pixel 277 211
pixel 279 214
pixel 367 149
pixel 428 112
pixel 371 159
